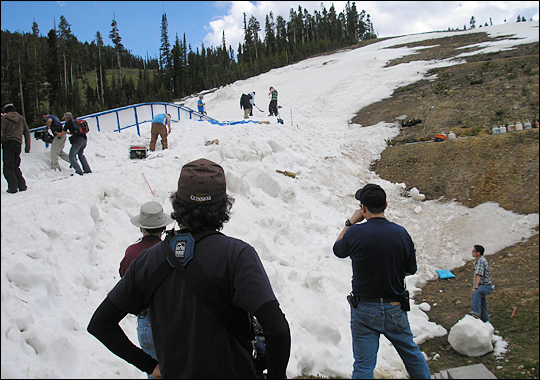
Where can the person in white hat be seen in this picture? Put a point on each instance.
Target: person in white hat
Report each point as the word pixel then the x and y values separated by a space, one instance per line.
pixel 152 222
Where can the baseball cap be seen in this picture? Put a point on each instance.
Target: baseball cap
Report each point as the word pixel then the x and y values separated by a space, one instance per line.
pixel 371 195
pixel 67 114
pixel 202 182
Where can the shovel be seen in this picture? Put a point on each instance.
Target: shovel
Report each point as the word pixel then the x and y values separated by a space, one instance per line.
pixel 279 119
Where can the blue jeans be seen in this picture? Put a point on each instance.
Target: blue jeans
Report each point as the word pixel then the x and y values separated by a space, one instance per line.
pixel 368 321
pixel 77 150
pixel 479 304
pixel 146 341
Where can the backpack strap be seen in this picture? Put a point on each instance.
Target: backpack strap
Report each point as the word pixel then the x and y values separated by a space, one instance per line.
pixel 166 267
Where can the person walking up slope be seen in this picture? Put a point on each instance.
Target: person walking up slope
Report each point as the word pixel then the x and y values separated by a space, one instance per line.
pixel 14 127
pixel 382 254
pixel 78 144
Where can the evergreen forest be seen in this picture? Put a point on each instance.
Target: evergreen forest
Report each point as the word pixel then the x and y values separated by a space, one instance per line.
pixel 58 73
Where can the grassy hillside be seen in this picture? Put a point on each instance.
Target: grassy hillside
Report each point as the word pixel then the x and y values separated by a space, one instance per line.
pixel 468 99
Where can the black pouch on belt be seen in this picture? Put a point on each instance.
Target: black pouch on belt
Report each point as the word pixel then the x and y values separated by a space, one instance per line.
pixel 352 301
pixel 404 298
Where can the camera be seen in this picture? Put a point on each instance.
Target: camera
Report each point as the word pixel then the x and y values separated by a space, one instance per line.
pixel 44 135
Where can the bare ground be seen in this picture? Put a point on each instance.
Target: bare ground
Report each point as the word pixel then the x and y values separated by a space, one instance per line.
pixel 477 167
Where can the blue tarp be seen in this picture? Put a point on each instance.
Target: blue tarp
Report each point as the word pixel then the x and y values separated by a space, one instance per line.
pixel 232 122
pixel 445 273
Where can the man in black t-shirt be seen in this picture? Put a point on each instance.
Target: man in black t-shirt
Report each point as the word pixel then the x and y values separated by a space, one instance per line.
pixel 191 342
pixel 382 254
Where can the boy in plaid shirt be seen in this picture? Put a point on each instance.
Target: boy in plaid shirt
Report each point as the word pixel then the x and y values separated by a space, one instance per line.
pixel 482 284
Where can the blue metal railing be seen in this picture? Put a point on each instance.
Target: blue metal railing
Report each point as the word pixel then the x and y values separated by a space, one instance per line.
pixel 142 113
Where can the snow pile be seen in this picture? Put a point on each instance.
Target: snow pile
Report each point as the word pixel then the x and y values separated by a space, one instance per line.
pixel 471 337
pixel 415 194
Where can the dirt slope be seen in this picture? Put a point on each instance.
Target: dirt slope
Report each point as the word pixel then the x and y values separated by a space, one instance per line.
pixel 477 167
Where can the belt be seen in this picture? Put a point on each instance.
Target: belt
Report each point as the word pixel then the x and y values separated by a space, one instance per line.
pixel 378 300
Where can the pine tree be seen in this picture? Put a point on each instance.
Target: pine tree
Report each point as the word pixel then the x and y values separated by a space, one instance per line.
pixel 270 37
pixel 53 71
pixel 176 56
pixel 165 54
pixel 114 35
pixel 99 43
pixel 35 76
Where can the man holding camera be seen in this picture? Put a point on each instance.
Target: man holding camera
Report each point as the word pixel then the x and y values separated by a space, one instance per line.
pixel 57 146
pixel 14 127
pixel 382 254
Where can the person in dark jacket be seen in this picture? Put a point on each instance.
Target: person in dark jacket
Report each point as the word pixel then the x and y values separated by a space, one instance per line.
pixel 192 342
pixel 13 128
pixel 59 141
pixel 78 143
pixel 245 103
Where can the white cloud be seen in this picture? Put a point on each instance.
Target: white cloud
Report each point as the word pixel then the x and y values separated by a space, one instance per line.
pixel 389 18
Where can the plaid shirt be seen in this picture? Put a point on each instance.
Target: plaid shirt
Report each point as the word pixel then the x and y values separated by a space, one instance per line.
pixel 481 267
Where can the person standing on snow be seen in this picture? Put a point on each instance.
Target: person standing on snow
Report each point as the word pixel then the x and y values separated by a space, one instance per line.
pixel 59 141
pixel 272 107
pixel 152 222
pixel 14 127
pixel 245 103
pixel 482 285
pixel 382 254
pixel 78 144
pixel 200 105
pixel 183 325
pixel 252 102
pixel 159 129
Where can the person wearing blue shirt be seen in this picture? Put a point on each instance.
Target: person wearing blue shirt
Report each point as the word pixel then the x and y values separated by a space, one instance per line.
pixel 382 254
pixel 57 146
pixel 252 101
pixel 200 105
pixel 159 129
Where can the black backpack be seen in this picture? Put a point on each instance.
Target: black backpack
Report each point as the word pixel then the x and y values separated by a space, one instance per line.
pixel 80 127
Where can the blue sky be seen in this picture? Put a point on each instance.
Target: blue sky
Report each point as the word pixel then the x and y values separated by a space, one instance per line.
pixel 204 21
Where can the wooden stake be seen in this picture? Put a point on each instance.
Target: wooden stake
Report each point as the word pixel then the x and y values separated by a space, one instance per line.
pixel 514 312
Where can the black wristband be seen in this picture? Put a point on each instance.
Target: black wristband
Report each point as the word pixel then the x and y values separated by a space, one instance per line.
pixel 348 223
